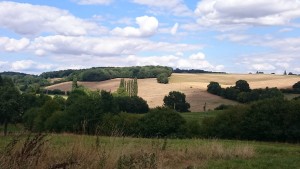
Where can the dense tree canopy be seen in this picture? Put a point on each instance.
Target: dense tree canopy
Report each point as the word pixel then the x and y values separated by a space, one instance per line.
pixel 176 100
pixel 10 99
pixel 161 122
pixel 214 88
pixel 296 85
pixel 242 85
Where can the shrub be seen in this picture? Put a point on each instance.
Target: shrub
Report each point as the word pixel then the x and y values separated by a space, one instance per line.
pixel 162 78
pixel 161 122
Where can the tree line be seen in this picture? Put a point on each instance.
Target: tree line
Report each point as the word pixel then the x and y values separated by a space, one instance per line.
pixel 274 119
pixel 242 93
pixel 106 73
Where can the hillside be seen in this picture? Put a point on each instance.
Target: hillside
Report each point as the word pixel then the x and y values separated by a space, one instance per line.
pixel 193 85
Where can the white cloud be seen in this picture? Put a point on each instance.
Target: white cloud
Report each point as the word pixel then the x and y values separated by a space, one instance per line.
pixel 174 29
pixel 147 27
pixel 93 2
pixel 197 56
pixel 13 45
pixel 3 63
pixel 29 65
pixel 27 19
pixel 173 61
pixel 263 67
pixel 233 37
pixel 297 69
pixel 102 47
pixel 284 44
pixel 283 65
pixel 285 30
pixel 176 7
pixel 220 13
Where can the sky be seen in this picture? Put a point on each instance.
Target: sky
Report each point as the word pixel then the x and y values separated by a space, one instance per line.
pixel 216 35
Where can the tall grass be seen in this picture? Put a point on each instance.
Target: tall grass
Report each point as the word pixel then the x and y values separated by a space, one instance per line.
pixel 40 152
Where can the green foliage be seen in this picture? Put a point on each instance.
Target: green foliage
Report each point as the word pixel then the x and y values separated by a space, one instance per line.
pixel 161 122
pixel 94 75
pixel 214 88
pixel 10 103
pixel 223 107
pixel 133 104
pixel 74 83
pixel 26 82
pixel 122 124
pixel 266 120
pixel 176 100
pixel 128 88
pixel 296 85
pixel 242 85
pixel 242 93
pixel 162 78
pixel 104 73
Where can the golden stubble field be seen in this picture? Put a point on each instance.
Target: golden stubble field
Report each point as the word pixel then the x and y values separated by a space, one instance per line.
pixel 193 85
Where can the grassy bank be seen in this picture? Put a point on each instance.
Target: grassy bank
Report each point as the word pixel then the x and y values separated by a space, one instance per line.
pixel 79 151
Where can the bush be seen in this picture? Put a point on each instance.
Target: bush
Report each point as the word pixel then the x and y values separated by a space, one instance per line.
pixel 223 107
pixel 162 78
pixel 133 104
pixel 296 85
pixel 214 88
pixel 161 122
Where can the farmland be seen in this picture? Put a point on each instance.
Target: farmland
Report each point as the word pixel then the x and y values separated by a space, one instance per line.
pixel 193 85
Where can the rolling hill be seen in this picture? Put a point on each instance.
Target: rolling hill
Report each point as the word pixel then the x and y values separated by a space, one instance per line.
pixel 193 85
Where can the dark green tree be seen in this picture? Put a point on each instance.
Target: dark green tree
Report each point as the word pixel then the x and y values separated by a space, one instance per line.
pixel 242 85
pixel 176 100
pixel 74 83
pixel 161 122
pixel 296 86
pixel 135 87
pixel 214 88
pixel 10 107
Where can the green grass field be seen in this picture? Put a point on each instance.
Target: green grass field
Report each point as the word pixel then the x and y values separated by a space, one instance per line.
pixel 177 153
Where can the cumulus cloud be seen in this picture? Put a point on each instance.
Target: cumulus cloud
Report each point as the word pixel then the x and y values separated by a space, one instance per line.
pixel 27 19
pixel 93 2
pixel 284 44
pixel 13 45
pixel 147 27
pixel 247 12
pixel 263 67
pixel 176 7
pixel 174 61
pixel 101 47
pixel 197 56
pixel 174 29
pixel 29 65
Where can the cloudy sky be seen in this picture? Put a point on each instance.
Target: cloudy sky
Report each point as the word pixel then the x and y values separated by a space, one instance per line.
pixel 219 35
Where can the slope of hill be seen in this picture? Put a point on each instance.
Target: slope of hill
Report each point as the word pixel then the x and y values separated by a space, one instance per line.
pixel 193 85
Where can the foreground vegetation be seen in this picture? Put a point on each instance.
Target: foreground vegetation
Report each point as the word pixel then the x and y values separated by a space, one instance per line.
pixel 79 151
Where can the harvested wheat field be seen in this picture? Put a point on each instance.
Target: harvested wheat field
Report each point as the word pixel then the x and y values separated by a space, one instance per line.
pixel 193 85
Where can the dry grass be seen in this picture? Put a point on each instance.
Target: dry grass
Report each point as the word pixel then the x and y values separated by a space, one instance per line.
pixel 156 154
pixel 193 85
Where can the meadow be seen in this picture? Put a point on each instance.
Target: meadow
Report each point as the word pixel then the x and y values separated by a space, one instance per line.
pixel 81 151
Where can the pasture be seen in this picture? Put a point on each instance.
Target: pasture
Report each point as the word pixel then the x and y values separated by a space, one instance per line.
pixel 81 151
pixel 193 85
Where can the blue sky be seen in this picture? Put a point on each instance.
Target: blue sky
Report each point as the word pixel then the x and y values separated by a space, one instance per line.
pixel 233 36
